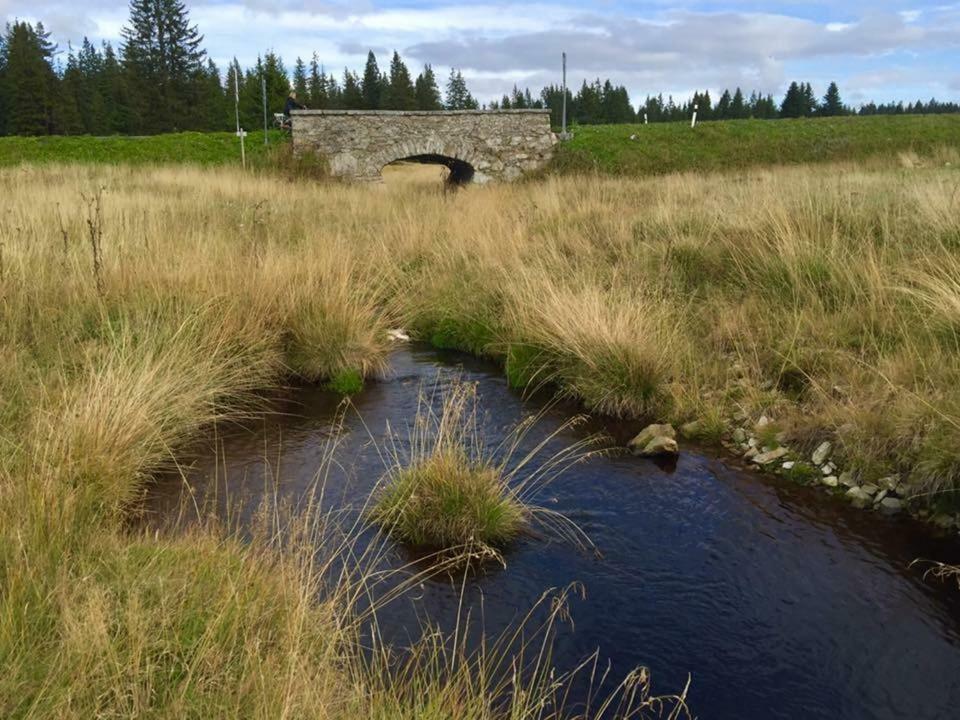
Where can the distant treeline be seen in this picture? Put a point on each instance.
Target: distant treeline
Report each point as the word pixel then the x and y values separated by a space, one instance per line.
pixel 161 80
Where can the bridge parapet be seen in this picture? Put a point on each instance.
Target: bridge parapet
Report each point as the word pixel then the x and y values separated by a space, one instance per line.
pixel 497 145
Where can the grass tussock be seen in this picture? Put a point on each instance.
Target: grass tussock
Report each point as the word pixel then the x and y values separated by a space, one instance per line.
pixel 447 489
pixel 448 501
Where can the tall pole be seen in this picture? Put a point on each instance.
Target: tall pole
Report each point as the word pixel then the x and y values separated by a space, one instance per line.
pixel 564 136
pixel 263 90
pixel 236 100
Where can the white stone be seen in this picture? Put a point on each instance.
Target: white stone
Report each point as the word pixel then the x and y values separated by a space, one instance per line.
pixel 891 483
pixel 770 457
pixel 831 482
pixel 822 453
pixel 891 506
pixel 858 497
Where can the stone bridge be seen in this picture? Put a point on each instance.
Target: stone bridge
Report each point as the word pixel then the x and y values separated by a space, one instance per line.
pixel 477 145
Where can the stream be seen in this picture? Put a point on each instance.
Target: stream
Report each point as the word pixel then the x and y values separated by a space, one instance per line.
pixel 776 600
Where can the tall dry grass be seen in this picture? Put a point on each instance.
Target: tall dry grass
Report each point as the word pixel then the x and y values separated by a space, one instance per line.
pixel 824 297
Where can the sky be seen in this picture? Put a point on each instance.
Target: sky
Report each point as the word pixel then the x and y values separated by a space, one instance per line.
pixel 878 50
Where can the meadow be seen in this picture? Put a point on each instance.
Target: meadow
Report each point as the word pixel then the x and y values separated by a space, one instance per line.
pixel 662 148
pixel 141 304
pixel 619 150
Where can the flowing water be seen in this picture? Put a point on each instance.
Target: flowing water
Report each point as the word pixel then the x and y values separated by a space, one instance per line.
pixel 776 601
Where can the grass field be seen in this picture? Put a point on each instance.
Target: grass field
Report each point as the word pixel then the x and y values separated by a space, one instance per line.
pixel 177 148
pixel 658 149
pixel 715 146
pixel 140 304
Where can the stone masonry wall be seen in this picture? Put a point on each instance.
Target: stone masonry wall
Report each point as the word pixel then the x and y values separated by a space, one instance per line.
pixel 500 145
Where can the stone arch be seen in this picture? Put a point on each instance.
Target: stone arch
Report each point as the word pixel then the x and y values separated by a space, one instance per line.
pixel 462 159
pixel 493 145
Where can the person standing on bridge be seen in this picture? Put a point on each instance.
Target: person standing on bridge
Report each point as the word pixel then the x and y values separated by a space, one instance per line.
pixel 291 105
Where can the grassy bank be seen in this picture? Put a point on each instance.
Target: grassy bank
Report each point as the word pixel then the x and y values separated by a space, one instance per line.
pixel 139 305
pixel 663 148
pixel 175 148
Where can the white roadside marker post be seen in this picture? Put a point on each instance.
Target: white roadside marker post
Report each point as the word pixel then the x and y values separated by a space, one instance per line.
pixel 693 122
pixel 240 133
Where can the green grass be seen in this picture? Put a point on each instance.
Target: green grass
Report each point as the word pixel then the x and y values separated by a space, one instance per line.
pixel 220 148
pixel 449 501
pixel 663 148
pixel 347 382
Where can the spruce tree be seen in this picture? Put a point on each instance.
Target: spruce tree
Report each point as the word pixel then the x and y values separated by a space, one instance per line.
pixel 4 102
pixel 352 94
pixel 832 104
pixel 67 106
pixel 317 95
pixel 113 89
pixel 300 85
pixel 808 101
pixel 164 62
pixel 458 96
pixel 278 85
pixel 724 105
pixel 737 109
pixel 30 81
pixel 400 94
pixel 426 91
pixel 218 105
pixel 792 105
pixel 371 87
pixel 91 104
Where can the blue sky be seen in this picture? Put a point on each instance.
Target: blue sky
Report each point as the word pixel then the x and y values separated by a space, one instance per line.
pixel 879 50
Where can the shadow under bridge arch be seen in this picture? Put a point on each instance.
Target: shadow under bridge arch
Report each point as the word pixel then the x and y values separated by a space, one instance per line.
pixel 459 161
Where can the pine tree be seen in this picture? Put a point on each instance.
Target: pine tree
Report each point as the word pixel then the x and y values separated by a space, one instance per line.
pixel 300 81
pixel 737 109
pixel 91 103
pixel 426 91
pixel 400 93
pixel 590 103
pixel 352 93
pixel 458 96
pixel 4 101
pixel 31 83
pixel 808 100
pixel 113 89
pixel 792 105
pixel 67 106
pixel 317 94
pixel 371 87
pixel 164 62
pixel 832 104
pixel 278 85
pixel 724 104
pixel 218 110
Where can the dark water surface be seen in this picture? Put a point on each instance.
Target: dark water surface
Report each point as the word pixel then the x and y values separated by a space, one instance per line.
pixel 777 601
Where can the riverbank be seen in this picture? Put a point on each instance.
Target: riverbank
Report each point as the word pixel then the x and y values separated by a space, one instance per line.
pixel 141 304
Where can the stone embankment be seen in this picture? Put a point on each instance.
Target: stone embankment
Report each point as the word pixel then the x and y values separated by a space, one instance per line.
pixel 764 449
